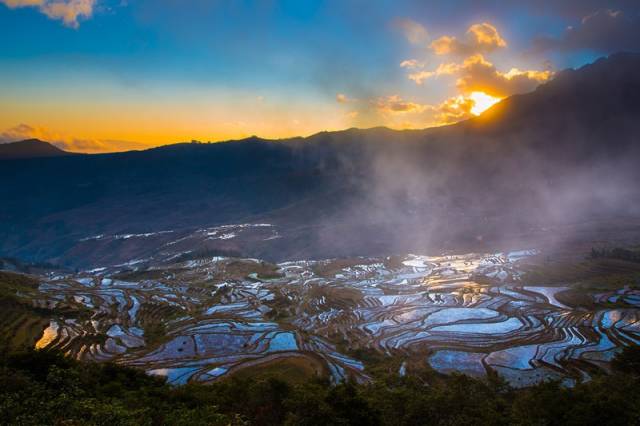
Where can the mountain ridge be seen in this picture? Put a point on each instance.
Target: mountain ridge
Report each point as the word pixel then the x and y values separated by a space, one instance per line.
pixel 560 155
pixel 562 77
pixel 30 148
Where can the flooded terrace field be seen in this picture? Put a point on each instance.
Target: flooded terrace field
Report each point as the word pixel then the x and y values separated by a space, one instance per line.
pixel 205 320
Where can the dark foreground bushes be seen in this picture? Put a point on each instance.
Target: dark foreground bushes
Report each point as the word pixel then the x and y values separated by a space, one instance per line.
pixel 44 388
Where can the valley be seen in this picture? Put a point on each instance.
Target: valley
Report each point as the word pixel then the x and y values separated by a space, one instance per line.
pixel 207 319
pixel 233 213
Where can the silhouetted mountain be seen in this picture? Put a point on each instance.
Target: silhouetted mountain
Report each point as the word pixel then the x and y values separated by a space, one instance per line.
pixel 30 148
pixel 543 163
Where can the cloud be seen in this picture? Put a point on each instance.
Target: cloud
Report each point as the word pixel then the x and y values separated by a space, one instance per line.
pixel 22 3
pixel 573 8
pixel 604 31
pixel 478 82
pixel 341 98
pixel 26 131
pixel 476 73
pixel 411 64
pixel 443 69
pixel 413 31
pixel 397 112
pixel 94 146
pixel 480 38
pixel 394 104
pixel 486 36
pixel 452 110
pixel 68 11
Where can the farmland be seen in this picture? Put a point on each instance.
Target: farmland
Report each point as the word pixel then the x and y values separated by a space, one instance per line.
pixel 204 320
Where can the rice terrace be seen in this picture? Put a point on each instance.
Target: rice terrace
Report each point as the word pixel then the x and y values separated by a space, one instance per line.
pixel 210 318
pixel 319 212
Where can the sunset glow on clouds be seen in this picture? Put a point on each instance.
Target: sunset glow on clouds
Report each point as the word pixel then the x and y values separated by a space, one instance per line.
pixel 482 37
pixel 68 11
pixel 478 82
pixel 104 75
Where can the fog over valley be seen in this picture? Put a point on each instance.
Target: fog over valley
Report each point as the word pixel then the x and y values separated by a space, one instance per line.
pixel 435 221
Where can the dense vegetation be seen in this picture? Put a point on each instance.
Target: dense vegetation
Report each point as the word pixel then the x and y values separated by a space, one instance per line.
pixel 41 387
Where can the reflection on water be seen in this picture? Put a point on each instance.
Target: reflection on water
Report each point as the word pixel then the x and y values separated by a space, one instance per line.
pixel 469 313
pixel 49 335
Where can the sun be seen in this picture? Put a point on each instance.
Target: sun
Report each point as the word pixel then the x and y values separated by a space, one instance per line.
pixel 482 102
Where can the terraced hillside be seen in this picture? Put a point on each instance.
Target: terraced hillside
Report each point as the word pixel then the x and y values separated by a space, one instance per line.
pixel 25 311
pixel 212 318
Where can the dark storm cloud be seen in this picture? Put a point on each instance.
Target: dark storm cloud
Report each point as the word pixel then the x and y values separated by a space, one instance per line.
pixel 563 8
pixel 545 26
pixel 604 31
pixel 577 8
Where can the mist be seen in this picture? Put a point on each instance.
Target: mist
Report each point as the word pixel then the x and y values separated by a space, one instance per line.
pixel 548 168
pixel 527 172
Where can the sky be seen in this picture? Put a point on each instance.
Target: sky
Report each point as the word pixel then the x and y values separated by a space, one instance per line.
pixel 113 75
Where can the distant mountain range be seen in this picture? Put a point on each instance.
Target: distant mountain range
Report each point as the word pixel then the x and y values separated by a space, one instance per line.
pixel 30 148
pixel 562 156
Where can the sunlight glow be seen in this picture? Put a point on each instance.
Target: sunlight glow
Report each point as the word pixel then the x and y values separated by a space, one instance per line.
pixel 482 102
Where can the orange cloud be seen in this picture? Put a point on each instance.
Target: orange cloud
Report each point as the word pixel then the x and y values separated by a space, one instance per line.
pixel 475 74
pixel 486 35
pixel 445 45
pixel 479 38
pixel 395 112
pixel 478 74
pixel 341 98
pixel 22 3
pixel 68 11
pixel 394 104
pixel 452 110
pixel 25 131
pixel 443 69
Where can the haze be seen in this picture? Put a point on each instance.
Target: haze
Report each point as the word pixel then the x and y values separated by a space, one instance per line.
pixel 319 212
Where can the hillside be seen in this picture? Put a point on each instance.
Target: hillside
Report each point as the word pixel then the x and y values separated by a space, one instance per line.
pixel 29 148
pixel 555 159
pixel 101 393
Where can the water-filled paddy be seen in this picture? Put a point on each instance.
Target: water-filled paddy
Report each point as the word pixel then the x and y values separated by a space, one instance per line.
pixel 206 319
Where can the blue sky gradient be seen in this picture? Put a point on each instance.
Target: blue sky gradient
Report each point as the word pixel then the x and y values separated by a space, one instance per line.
pixel 274 68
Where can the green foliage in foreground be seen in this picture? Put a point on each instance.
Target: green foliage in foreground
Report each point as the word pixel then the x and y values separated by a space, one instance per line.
pixel 44 388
